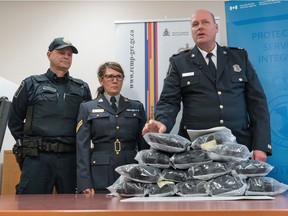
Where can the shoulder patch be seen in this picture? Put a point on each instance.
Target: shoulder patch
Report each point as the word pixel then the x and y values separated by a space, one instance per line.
pixel 19 89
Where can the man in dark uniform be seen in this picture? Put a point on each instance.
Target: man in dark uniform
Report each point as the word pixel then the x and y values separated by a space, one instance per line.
pixel 229 96
pixel 43 120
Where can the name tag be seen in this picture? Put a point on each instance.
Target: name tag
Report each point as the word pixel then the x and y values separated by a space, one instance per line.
pixel 97 110
pixel 132 110
pixel 187 74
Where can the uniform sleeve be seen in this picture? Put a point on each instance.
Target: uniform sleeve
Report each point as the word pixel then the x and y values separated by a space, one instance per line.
pixel 142 143
pixel 88 96
pixel 258 111
pixel 83 139
pixel 169 103
pixel 18 111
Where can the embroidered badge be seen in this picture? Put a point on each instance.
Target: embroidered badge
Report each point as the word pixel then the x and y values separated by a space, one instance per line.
pixel 80 123
pixel 236 68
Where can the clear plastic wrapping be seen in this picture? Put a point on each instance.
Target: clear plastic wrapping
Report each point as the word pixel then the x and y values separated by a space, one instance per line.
pixel 126 188
pixel 153 158
pixel 192 187
pixel 207 171
pixel 140 173
pixel 171 143
pixel 265 186
pixel 217 138
pixel 154 190
pixel 229 152
pixel 184 160
pixel 250 168
pixel 175 175
pixel 226 185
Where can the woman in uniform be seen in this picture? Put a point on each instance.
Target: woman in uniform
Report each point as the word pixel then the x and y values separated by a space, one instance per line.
pixel 113 123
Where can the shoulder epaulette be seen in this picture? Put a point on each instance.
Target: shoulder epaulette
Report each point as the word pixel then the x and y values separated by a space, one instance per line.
pixel 39 78
pixel 79 81
pixel 237 48
pixel 181 52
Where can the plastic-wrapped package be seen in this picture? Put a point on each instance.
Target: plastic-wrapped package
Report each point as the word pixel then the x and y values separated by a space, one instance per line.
pixel 217 138
pixel 171 143
pixel 175 175
pixel 226 185
pixel 184 160
pixel 192 187
pixel 153 190
pixel 153 158
pixel 265 186
pixel 207 171
pixel 229 152
pixel 250 168
pixel 127 188
pixel 140 173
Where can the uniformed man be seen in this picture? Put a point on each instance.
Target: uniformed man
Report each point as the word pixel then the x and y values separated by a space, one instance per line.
pixel 230 96
pixel 113 123
pixel 43 121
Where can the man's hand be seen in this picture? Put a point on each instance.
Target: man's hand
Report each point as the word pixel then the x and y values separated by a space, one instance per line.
pixel 88 192
pixel 259 155
pixel 153 126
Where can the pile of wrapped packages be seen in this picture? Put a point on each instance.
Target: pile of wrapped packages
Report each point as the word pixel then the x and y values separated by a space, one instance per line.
pixel 213 164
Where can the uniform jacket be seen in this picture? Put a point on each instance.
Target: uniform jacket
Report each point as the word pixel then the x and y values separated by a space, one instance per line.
pixel 98 122
pixel 46 106
pixel 235 99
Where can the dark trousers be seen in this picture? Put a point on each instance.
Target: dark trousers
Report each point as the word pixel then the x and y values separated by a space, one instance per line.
pixel 48 170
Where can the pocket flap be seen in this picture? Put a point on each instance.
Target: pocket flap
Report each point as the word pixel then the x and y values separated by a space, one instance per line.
pixel 100 159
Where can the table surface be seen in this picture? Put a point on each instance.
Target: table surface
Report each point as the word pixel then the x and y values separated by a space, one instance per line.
pixel 60 203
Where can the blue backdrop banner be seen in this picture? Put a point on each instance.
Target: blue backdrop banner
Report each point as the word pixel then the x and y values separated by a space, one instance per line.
pixel 261 27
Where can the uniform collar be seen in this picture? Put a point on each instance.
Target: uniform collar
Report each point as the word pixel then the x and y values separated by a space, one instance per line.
pixel 53 77
pixel 204 53
pixel 108 97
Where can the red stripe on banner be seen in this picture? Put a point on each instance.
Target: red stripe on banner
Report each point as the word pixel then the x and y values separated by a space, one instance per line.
pixel 152 67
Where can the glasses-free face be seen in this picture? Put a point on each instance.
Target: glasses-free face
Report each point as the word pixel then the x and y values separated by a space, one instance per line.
pixel 111 77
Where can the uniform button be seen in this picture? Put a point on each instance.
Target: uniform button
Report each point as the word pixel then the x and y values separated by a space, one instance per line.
pixel 240 79
pixel 188 83
pixel 221 106
pixel 221 121
pixel 116 116
pixel 185 127
pixel 97 115
pixel 94 162
pixel 219 92
pixel 117 127
pixel 134 114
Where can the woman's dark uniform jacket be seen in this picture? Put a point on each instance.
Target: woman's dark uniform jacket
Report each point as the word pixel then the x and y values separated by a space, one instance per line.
pixel 235 100
pixel 98 122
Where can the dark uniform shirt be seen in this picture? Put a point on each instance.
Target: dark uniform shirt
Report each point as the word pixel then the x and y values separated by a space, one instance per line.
pixel 116 138
pixel 48 107
pixel 235 99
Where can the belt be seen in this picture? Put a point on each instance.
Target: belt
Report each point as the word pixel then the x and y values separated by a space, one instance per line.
pixel 56 147
pixel 46 146
pixel 117 146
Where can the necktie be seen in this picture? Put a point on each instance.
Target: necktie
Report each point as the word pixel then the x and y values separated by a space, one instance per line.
pixel 211 65
pixel 113 103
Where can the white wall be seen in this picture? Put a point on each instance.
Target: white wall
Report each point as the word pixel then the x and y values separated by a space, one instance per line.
pixel 27 28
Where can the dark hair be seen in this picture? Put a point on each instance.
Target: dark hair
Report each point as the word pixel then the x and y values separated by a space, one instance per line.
pixel 102 71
